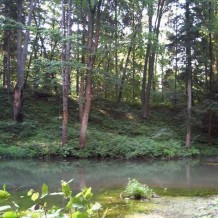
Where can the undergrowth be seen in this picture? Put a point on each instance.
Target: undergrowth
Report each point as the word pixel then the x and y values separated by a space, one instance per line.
pixel 113 132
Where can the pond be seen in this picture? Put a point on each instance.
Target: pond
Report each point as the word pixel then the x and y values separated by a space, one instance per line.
pixel 25 174
pixel 108 179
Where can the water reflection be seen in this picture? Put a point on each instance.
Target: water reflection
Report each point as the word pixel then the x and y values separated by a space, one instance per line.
pixel 19 174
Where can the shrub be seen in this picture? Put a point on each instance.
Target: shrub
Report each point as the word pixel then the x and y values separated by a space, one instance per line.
pixel 136 190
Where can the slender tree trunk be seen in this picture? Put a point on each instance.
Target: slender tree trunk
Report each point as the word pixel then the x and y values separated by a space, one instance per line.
pixel 124 76
pixel 66 69
pixel 145 107
pixel 127 62
pixel 21 56
pixel 133 66
pixel 211 77
pixel 189 74
pixel 149 84
pixel 116 52
pixel 145 69
pixel 91 52
pixel 8 77
pixel 64 76
pixel 144 79
pixel 82 82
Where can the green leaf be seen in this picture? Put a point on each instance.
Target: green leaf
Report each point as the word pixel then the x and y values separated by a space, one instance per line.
pixel 69 204
pixel 79 214
pixel 87 193
pixel 9 214
pixel 44 190
pixel 30 192
pixel 35 196
pixel 66 189
pixel 5 207
pixel 4 195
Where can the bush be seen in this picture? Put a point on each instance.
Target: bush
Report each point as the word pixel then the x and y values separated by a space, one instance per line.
pixel 136 190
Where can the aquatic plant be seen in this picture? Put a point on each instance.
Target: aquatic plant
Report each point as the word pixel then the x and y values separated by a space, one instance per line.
pixel 136 190
pixel 78 206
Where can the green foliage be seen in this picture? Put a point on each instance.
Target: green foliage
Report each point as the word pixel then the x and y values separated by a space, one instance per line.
pixel 136 190
pixel 114 132
pixel 4 195
pixel 78 206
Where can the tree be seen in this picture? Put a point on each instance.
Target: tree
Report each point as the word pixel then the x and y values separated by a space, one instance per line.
pixel 151 53
pixel 21 58
pixel 189 73
pixel 66 47
pixel 93 40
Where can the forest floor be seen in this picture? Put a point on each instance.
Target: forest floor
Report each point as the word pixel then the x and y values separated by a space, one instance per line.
pixel 114 131
pixel 182 207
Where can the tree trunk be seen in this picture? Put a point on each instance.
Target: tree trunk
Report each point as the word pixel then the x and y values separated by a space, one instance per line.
pixel 189 74
pixel 82 82
pixel 91 54
pixel 124 76
pixel 66 21
pixel 21 60
pixel 127 62
pixel 151 57
pixel 116 52
pixel 211 77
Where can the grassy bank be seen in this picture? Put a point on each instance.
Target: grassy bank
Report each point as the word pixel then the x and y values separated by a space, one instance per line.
pixel 113 131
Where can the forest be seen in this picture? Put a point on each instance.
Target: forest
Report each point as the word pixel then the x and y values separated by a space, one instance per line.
pixel 100 78
pixel 113 97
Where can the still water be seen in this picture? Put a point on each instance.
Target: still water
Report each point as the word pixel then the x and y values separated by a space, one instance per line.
pixel 21 174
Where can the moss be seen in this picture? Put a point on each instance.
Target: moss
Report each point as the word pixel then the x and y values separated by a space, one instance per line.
pixel 188 192
pixel 119 206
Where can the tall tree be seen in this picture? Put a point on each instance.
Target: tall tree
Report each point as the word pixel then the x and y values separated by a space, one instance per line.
pixel 188 39
pixel 21 58
pixel 93 40
pixel 66 47
pixel 151 53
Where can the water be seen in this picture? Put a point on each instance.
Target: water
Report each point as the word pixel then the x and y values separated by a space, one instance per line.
pixel 26 174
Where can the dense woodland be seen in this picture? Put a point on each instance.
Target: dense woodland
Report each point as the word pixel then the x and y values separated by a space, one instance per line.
pixel 106 55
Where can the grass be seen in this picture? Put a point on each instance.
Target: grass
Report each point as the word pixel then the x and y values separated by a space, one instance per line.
pixel 113 131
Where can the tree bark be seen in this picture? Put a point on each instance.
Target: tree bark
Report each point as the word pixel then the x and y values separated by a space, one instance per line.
pixel 21 60
pixel 116 52
pixel 151 57
pixel 82 82
pixel 66 22
pixel 91 54
pixel 189 74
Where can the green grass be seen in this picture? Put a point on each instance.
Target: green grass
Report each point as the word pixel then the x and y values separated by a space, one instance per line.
pixel 113 131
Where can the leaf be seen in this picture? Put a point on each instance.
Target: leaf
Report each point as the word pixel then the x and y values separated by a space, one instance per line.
pixel 71 180
pixel 56 193
pixel 56 214
pixel 105 213
pixel 9 214
pixel 44 190
pixel 96 206
pixel 79 214
pixel 69 204
pixel 16 205
pixel 66 189
pixel 5 207
pixel 30 192
pixel 4 195
pixel 87 193
pixel 35 196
